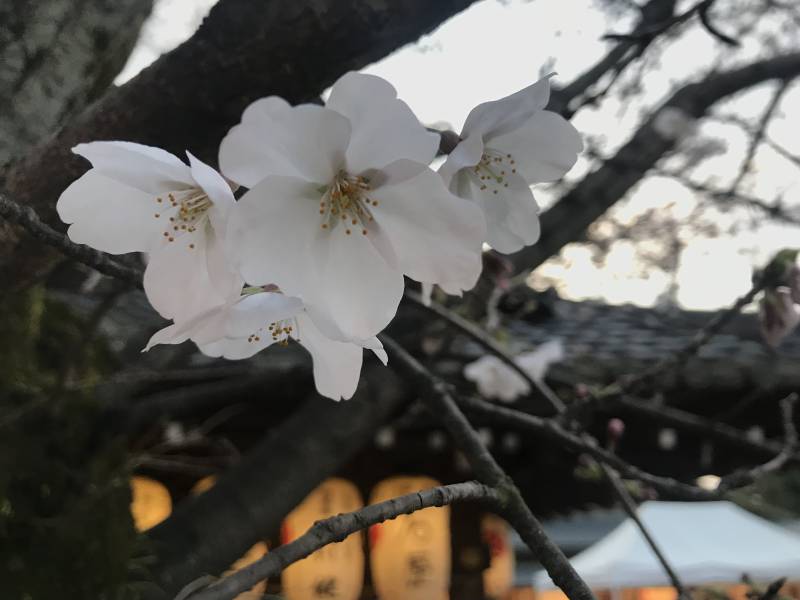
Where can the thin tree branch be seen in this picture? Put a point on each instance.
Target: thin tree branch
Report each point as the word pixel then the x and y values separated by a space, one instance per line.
pixel 742 478
pixel 758 135
pixel 336 529
pixel 629 507
pixel 484 339
pixel 568 219
pixel 436 395
pixel 550 428
pixel 26 217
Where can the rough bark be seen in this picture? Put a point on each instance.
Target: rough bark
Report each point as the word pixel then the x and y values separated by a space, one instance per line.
pixel 205 535
pixel 192 95
pixel 57 56
pixel 568 219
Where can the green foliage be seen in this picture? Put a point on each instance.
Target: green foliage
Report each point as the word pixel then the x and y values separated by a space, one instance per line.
pixel 65 526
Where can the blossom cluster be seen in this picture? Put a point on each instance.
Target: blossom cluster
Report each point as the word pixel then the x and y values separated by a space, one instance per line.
pixel 341 204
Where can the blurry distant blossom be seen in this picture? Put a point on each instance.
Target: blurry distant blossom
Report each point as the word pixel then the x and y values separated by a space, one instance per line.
pixel 779 314
pixel 496 380
pixel 779 311
pixel 673 123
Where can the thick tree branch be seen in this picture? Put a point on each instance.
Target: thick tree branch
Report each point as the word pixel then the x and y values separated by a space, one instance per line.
pixel 57 56
pixel 336 529
pixel 191 96
pixel 568 219
pixel 211 531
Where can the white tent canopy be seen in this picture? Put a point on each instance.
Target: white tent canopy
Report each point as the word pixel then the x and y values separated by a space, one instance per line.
pixel 704 542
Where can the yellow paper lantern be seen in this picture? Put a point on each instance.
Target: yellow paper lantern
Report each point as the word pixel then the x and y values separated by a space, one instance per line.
pixel 410 556
pixel 257 551
pixel 335 572
pixel 498 579
pixel 150 502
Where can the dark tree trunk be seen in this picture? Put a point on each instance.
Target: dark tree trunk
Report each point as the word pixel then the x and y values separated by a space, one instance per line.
pixel 57 56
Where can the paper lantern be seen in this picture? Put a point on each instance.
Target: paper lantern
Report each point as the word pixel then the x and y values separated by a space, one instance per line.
pixel 410 556
pixel 150 502
pixel 257 551
pixel 657 593
pixel 498 579
pixel 335 572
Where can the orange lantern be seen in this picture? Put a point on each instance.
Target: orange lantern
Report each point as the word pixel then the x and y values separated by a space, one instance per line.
pixel 410 555
pixel 257 551
pixel 498 579
pixel 335 572
pixel 150 502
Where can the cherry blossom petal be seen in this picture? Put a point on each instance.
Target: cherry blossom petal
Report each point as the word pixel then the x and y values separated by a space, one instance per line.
pixel 511 212
pixel 305 141
pixel 436 236
pixel 337 365
pixel 259 310
pixel 109 215
pixel 353 293
pixel 544 148
pixel 384 127
pixel 271 232
pixel 492 119
pixel 151 170
pixel 207 324
pixel 213 184
pixel 177 281
pixel 465 155
pixel 235 348
pixel 224 278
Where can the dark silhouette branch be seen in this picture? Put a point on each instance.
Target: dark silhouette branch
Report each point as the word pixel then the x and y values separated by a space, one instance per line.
pixel 27 218
pixel 437 397
pixel 485 340
pixel 569 218
pixel 191 96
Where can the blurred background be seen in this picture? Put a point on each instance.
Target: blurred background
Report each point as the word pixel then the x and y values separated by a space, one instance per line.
pixel 688 185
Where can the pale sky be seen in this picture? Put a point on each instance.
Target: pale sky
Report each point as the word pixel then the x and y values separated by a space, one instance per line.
pixel 497 47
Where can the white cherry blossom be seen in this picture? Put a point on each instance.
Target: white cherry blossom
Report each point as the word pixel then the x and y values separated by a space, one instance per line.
pixel 261 317
pixel 342 204
pixel 137 198
pixel 507 145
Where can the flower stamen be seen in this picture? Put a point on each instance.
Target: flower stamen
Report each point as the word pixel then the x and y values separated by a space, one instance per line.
pixel 346 200
pixel 492 171
pixel 192 213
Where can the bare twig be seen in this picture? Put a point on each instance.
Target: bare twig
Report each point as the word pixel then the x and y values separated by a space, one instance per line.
pixel 27 218
pixel 551 429
pixel 436 394
pixel 647 34
pixel 630 509
pixel 758 135
pixel 336 529
pixel 484 339
pixel 702 337
pixel 742 478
